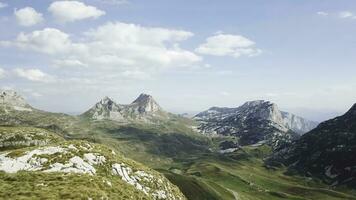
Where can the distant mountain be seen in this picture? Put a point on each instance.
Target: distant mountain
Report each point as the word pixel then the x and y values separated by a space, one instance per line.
pixel 327 151
pixel 144 108
pixel 253 122
pixel 9 99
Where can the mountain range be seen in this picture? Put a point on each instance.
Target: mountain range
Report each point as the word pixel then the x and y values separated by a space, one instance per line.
pixel 144 108
pixel 222 153
pixel 253 122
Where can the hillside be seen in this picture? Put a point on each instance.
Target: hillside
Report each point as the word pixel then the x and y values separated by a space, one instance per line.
pixel 60 169
pixel 202 167
pixel 327 152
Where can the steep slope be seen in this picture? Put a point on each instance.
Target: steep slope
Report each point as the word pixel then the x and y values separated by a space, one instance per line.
pixel 63 170
pixel 143 109
pixel 253 122
pixel 327 151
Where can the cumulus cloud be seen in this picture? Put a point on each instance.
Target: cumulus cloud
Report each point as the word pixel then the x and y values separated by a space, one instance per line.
pixel 3 5
pixel 70 11
pixel 33 75
pixel 130 49
pixel 132 44
pixel 28 16
pixel 48 40
pixel 228 45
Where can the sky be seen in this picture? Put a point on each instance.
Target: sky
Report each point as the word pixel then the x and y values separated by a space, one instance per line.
pixel 64 56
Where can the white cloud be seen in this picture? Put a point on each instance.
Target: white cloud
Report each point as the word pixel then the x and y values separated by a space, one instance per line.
pixel 3 5
pixel 228 45
pixel 134 45
pixel 322 13
pixel 48 40
pixel 130 49
pixel 70 11
pixel 28 16
pixel 33 75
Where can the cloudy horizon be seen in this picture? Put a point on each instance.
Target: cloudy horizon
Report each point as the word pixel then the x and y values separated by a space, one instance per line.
pixel 64 56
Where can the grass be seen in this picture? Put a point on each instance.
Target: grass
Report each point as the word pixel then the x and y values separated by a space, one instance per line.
pixel 189 160
pixel 247 177
pixel 41 185
pixel 34 185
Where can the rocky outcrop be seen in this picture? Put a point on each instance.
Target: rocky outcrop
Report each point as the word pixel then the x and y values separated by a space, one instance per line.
pixel 10 99
pixel 86 160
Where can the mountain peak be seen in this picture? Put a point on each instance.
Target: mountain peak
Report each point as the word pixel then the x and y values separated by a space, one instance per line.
pixel 256 103
pixel 106 100
pixel 13 99
pixel 145 104
pixel 143 98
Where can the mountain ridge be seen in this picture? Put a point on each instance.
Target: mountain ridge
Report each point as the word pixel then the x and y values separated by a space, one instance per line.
pixel 326 151
pixel 144 108
pixel 254 121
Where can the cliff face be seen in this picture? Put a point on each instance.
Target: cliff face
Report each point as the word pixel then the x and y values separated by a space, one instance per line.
pixel 253 122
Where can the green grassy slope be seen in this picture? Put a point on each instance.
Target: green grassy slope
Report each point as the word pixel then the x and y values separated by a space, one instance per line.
pixel 190 161
pixel 89 177
pixel 244 175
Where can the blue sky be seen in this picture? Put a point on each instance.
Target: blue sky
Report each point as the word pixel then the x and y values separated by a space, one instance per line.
pixel 190 55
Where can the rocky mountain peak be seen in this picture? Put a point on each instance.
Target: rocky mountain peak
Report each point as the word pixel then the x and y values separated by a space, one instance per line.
pixel 143 108
pixel 13 99
pixel 262 109
pixel 106 101
pixel 145 104
pixel 253 122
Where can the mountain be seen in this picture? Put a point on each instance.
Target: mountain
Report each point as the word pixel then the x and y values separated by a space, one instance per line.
pixel 144 104
pixel 9 99
pixel 38 143
pixel 328 151
pixel 253 122
pixel 144 108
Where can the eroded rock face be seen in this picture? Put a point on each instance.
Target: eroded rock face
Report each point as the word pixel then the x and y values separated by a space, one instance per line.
pixel 253 122
pixel 10 98
pixel 91 159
